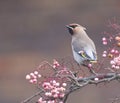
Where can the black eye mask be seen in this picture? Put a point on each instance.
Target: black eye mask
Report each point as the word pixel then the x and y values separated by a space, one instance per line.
pixel 73 26
pixel 70 28
pixel 70 31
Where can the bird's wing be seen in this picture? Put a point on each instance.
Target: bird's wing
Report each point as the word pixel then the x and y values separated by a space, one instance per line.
pixel 80 48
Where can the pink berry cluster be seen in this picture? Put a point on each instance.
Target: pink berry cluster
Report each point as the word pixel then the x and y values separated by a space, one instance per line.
pixel 60 70
pixel 54 91
pixel 55 64
pixel 40 100
pixel 53 86
pixel 115 62
pixel 33 77
pixel 104 41
pixel 113 53
pixel 113 49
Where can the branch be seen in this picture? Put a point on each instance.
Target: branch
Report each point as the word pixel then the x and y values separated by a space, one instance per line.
pixel 96 79
pixel 33 96
pixel 77 83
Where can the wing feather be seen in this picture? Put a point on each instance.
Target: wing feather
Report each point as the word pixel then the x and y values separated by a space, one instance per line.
pixel 85 50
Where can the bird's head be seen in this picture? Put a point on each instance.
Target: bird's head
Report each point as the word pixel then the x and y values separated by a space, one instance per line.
pixel 75 28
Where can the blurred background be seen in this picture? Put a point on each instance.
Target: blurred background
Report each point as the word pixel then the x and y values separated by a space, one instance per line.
pixel 32 31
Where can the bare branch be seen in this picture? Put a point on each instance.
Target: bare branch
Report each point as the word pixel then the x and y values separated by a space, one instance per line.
pixel 91 80
pixel 33 96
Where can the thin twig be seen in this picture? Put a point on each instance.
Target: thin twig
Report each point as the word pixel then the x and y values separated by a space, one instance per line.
pixel 33 96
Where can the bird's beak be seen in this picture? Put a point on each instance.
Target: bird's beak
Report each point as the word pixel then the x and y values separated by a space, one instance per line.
pixel 67 26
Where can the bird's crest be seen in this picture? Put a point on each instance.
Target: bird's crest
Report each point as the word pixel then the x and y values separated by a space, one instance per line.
pixel 73 25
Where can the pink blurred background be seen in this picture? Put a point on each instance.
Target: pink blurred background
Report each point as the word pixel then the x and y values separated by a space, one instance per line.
pixel 34 30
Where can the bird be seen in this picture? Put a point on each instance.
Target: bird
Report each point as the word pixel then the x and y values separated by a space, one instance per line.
pixel 83 47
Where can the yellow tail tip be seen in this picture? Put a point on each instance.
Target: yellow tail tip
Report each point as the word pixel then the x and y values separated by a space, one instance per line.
pixel 93 61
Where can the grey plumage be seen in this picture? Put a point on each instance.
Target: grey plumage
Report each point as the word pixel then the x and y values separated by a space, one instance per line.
pixel 82 46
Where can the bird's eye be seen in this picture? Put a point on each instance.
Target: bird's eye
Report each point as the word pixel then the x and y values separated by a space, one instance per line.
pixel 73 26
